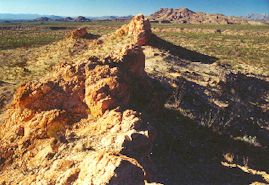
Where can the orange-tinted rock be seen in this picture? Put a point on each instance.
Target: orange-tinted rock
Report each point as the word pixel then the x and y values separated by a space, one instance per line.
pixel 106 168
pixel 20 131
pixel 104 90
pixel 109 86
pixel 123 132
pixel 79 33
pixel 139 28
pixel 103 150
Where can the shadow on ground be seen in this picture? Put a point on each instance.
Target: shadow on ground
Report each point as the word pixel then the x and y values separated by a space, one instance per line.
pixel 91 36
pixel 185 153
pixel 181 52
pixel 244 115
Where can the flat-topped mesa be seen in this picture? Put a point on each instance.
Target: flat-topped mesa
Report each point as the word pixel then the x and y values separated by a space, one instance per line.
pixel 139 28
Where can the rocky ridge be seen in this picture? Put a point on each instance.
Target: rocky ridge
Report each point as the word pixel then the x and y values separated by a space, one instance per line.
pixel 99 118
pixel 78 125
pixel 184 15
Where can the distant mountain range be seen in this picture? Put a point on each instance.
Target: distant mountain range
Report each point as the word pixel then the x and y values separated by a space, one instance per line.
pixel 37 17
pixel 12 17
pixel 258 17
pixel 164 15
pixel 112 17
pixel 63 19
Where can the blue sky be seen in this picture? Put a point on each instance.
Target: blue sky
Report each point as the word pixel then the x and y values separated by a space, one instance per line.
pixel 130 7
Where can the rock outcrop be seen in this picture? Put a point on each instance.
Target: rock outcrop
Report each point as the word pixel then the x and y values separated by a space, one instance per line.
pixel 139 27
pixel 184 15
pixel 79 33
pixel 78 125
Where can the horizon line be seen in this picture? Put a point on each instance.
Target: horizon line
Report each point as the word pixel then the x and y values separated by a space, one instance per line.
pixel 44 14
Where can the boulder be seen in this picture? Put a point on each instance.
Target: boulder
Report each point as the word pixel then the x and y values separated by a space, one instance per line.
pixel 79 33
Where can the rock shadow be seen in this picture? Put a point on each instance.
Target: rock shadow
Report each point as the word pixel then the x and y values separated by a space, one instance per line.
pixel 91 36
pixel 186 153
pixel 181 52
pixel 245 114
